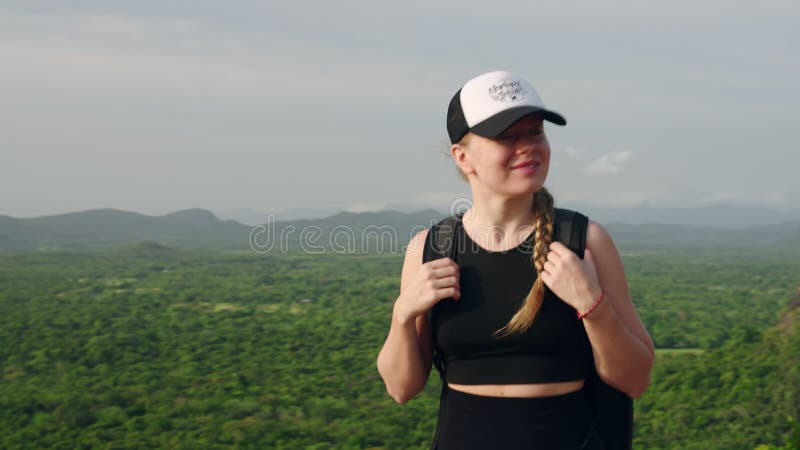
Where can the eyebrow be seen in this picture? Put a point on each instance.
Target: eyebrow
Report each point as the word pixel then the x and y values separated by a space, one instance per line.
pixel 539 127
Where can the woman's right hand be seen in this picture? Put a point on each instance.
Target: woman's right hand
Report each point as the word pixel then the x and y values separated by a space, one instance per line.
pixel 435 280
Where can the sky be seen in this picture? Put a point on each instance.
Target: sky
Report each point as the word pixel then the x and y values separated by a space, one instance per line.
pixel 159 106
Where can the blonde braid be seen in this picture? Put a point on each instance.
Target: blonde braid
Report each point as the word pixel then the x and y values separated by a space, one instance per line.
pixel 543 211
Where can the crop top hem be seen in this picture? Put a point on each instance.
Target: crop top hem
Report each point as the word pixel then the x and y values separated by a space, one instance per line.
pixel 516 369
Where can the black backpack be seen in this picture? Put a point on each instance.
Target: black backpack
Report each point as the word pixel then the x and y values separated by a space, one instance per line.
pixel 612 409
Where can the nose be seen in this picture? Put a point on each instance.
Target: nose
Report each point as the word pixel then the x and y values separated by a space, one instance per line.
pixel 525 147
pixel 526 144
pixel 532 140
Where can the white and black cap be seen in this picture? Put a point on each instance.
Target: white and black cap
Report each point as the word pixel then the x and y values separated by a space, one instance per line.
pixel 490 103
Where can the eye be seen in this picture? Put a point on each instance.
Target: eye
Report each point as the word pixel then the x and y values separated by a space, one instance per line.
pixel 507 138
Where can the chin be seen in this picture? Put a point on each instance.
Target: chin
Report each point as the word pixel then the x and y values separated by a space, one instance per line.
pixel 528 192
pixel 533 187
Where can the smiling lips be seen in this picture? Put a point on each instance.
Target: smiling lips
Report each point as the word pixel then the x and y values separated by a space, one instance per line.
pixel 526 164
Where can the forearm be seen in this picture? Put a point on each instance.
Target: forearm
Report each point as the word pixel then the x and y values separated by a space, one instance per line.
pixel 622 359
pixel 400 361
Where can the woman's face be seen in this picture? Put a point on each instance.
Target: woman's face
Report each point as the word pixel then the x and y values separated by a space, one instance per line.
pixel 514 163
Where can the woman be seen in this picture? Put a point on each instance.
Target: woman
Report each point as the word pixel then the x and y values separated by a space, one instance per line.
pixel 517 356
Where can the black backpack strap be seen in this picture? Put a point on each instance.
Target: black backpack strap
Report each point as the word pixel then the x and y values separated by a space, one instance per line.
pixel 442 241
pixel 613 409
pixel 570 229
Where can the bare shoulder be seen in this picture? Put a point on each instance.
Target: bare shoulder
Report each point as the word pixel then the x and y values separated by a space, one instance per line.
pixel 607 260
pixel 598 238
pixel 413 258
pixel 417 243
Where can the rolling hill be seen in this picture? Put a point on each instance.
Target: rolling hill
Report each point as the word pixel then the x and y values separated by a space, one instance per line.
pixel 342 232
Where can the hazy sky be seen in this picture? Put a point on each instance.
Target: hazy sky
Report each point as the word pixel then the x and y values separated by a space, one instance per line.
pixel 159 106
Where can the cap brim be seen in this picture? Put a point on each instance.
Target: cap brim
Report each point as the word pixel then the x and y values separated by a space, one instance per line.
pixel 495 125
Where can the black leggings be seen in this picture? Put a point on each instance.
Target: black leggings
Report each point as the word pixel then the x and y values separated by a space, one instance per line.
pixel 560 422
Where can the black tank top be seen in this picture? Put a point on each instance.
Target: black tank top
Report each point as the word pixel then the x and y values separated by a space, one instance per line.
pixel 493 287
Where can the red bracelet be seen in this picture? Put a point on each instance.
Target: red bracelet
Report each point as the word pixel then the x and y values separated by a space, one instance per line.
pixel 599 299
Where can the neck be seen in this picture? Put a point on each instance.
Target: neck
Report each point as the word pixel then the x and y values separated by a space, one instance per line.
pixel 505 216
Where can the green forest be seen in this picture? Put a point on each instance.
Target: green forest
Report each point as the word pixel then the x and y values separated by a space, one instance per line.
pixel 145 346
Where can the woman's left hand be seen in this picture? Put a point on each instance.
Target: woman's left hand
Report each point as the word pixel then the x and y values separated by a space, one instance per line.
pixel 572 279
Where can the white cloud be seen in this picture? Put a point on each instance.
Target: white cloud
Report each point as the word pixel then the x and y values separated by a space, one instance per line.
pixel 618 198
pixel 610 163
pixel 364 207
pixel 572 152
pixel 779 198
pixel 435 198
pixel 721 198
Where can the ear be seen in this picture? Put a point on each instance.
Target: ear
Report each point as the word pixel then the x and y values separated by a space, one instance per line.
pixel 461 158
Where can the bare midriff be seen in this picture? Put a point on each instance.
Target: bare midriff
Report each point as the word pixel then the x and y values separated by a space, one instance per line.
pixel 519 390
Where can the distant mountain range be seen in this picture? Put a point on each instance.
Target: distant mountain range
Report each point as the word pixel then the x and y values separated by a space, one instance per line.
pixel 723 216
pixel 110 227
pixel 344 232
